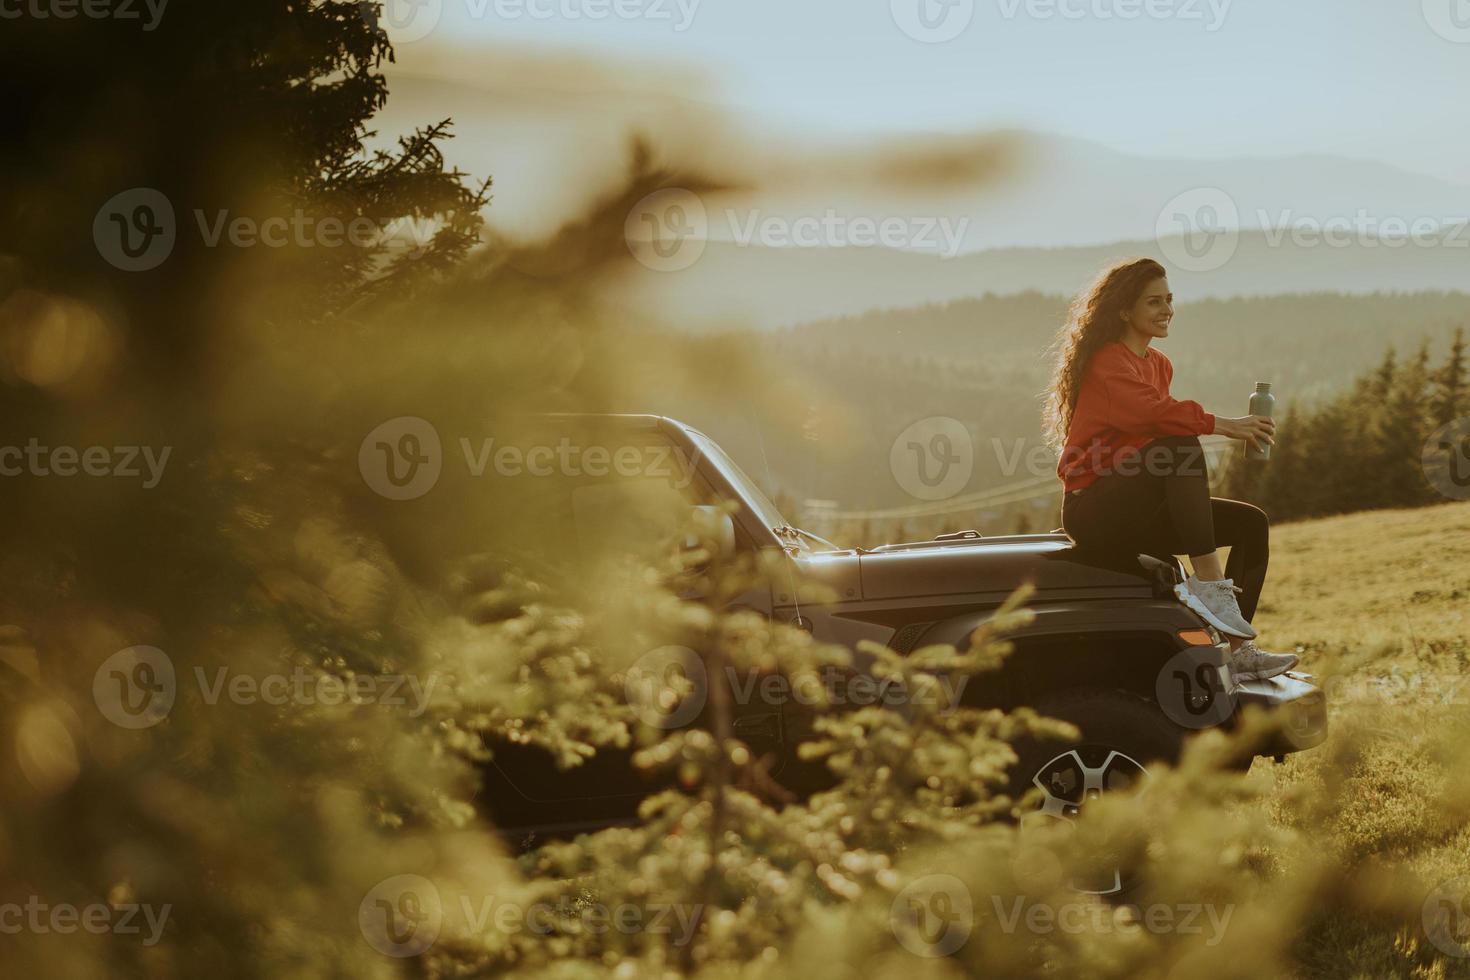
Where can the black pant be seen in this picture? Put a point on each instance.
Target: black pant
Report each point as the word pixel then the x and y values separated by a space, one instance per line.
pixel 1162 507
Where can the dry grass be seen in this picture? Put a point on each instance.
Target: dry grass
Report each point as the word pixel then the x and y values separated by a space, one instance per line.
pixel 1379 606
pixel 1397 578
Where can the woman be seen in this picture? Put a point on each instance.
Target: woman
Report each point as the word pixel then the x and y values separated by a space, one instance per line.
pixel 1131 462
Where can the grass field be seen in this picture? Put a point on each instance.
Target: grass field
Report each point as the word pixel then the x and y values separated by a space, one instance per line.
pixel 1378 605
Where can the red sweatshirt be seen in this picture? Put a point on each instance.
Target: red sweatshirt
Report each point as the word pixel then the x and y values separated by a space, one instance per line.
pixel 1123 405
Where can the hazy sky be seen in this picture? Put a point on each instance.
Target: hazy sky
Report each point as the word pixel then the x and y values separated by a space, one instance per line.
pixel 1376 79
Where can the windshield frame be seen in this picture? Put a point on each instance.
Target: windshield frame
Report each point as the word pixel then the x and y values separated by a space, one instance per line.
pixel 765 511
pixel 744 487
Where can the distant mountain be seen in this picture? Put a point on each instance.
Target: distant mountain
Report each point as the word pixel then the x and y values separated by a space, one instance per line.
pixel 1068 192
pixel 554 130
pixel 764 288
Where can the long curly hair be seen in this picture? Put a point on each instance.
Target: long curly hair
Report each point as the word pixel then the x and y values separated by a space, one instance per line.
pixel 1093 320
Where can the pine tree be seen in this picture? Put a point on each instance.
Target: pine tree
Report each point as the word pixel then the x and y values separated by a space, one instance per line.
pixel 1399 436
pixel 1342 440
pixel 1380 381
pixel 257 111
pixel 1449 401
pixel 1282 487
pixel 1241 480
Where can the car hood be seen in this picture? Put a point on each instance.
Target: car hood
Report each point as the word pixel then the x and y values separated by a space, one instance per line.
pixel 989 565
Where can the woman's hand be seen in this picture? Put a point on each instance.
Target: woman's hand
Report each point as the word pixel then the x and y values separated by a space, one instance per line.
pixel 1258 431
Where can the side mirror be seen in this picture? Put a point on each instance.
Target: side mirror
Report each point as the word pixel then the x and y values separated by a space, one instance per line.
pixel 714 525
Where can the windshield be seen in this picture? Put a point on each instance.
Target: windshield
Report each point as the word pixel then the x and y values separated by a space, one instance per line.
pixel 757 500
pixel 744 485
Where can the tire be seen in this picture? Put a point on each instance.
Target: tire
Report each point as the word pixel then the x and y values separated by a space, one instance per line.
pixel 1125 720
pixel 1122 736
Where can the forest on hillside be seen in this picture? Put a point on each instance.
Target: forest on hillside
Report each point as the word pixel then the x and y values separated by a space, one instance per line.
pixel 851 386
pixel 1398 437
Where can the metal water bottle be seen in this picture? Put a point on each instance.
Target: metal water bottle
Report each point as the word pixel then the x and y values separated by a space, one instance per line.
pixel 1262 403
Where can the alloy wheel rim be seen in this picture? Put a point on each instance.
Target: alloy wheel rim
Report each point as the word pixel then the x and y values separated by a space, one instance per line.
pixel 1082 773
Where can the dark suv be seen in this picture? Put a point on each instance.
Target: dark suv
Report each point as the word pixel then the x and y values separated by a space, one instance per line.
pixel 1112 651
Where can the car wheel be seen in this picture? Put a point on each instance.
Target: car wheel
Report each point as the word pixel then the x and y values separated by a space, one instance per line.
pixel 1123 735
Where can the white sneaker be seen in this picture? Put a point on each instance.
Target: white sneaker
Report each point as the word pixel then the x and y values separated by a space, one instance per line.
pixel 1215 603
pixel 1251 664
